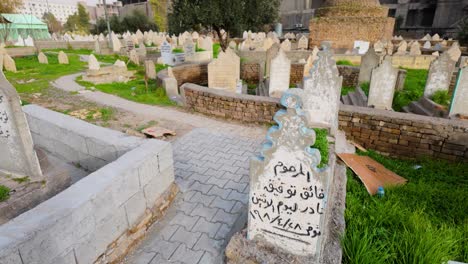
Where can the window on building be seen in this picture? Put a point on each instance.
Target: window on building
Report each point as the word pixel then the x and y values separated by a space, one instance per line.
pixel 411 18
pixel 428 17
pixel 392 12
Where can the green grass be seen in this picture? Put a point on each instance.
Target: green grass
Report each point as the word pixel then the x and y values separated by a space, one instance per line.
pixel 106 114
pixel 365 86
pixel 344 62
pixel 347 89
pixel 441 97
pixel 321 143
pixel 71 51
pixel 177 50
pixel 22 179
pixel 4 193
pixel 424 221
pixel 216 49
pixel 413 89
pixel 197 49
pixel 29 68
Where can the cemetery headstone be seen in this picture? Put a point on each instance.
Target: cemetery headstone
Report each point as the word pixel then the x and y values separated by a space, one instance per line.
pixel 189 49
pixel 379 46
pixel 382 85
pixel 8 63
pixel 116 44
pixel 415 49
pixel 454 52
pixel 166 53
pixel 97 47
pixel 223 73
pixel 459 105
pixel 402 47
pixel 270 54
pixel 62 58
pixel 436 37
pixel 29 42
pixel 440 74
pixel 150 69
pixel 369 61
pixel 322 90
pixel 93 63
pixel 280 69
pixel 303 43
pixel 361 46
pixel 42 58
pixel 286 45
pixel 133 56
pixel 18 158
pixel 287 192
pixel 427 45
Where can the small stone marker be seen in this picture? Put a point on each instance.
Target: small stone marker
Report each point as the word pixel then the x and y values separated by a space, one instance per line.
pixel 116 44
pixel 382 85
pixel 270 54
pixel 369 61
pixel 133 56
pixel 280 69
pixel 93 63
pixel 286 45
pixel 440 75
pixel 427 45
pixel 150 69
pixel 18 157
pixel 436 37
pixel 415 49
pixel 459 105
pixel 379 46
pixel 454 52
pixel 303 43
pixel 402 47
pixel 42 58
pixel 189 49
pixel 8 63
pixel 166 53
pixel 287 198
pixel 322 91
pixel 62 58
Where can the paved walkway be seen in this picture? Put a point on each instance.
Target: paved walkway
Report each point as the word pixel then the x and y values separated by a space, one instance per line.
pixel 212 171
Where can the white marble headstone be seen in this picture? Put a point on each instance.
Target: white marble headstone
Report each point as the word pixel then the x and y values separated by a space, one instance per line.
pixel 280 69
pixel 382 85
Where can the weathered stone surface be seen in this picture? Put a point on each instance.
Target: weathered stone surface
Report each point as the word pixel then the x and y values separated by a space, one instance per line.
pixel 382 85
pixel 93 63
pixel 415 49
pixel 62 58
pixel 224 72
pixel 322 90
pixel 279 74
pixel 271 53
pixel 303 43
pixel 454 52
pixel 369 61
pixel 42 58
pixel 286 45
pixel 402 47
pixel 440 75
pixel 18 157
pixel 189 49
pixel 459 105
pixel 133 56
pixel 150 69
pixel 166 53
pixel 8 63
pixel 310 62
pixel 286 168
pixel 116 44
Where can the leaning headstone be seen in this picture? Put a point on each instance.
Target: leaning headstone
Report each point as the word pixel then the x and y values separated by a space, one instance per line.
pixel 166 53
pixel 402 47
pixel 42 58
pixel 303 43
pixel 18 158
pixel 8 63
pixel 280 69
pixel 368 63
pixel 62 58
pixel 440 75
pixel 454 52
pixel 150 69
pixel 459 105
pixel 382 85
pixel 270 54
pixel 321 95
pixel 288 193
pixel 222 73
pixel 415 49
pixel 93 63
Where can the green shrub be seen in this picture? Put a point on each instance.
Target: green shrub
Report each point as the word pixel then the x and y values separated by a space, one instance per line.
pixel 365 86
pixel 321 143
pixel 216 49
pixel 4 193
pixel 441 97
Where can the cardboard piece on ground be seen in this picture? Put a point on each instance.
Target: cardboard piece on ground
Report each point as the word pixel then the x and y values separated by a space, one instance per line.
pixel 371 173
pixel 158 132
pixel 358 146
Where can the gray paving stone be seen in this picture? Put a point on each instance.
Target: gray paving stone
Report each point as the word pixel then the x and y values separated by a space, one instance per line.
pixel 220 192
pixel 208 244
pixel 183 236
pixel 238 207
pixel 206 227
pixel 167 231
pixel 163 247
pixel 186 255
pixel 184 220
pixel 204 211
pixel 208 258
pixel 216 181
pixel 239 186
pixel 222 232
pixel 186 207
pixel 142 257
pixel 224 217
pixel 238 196
pixel 199 197
pixel 159 259
pixel 201 187
pixel 220 203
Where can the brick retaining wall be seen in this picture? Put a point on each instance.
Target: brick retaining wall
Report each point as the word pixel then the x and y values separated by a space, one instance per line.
pixel 191 73
pixel 392 133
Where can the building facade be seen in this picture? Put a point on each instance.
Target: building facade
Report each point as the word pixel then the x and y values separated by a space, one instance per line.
pixel 296 14
pixel 98 11
pixel 38 8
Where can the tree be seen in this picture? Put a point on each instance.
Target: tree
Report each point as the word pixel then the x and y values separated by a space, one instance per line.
pixel 79 21
pixel 160 13
pixel 52 23
pixel 233 16
pixel 137 20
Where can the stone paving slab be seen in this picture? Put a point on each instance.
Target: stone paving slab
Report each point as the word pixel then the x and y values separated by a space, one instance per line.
pixel 212 171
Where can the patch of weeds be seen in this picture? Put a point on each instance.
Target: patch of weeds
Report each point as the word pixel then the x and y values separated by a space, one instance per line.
pixel 4 193
pixel 74 92
pixel 199 49
pixel 344 62
pixel 321 143
pixel 106 113
pixel 24 102
pixel 177 50
pixel 90 115
pixel 347 89
pixel 160 67
pixel 441 97
pixel 22 179
pixel 216 49
pixel 147 125
pixel 424 221
pixel 365 86
pixel 413 89
pixel 105 124
pixel 127 125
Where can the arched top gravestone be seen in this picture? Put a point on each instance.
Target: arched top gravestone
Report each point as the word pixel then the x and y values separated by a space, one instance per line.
pixel 17 158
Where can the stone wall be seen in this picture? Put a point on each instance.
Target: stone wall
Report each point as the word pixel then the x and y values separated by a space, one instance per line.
pixel 350 75
pixel 250 72
pixel 76 141
pixel 62 44
pixel 297 74
pixel 101 216
pixel 240 107
pixel 405 135
pixel 393 133
pixel 21 51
